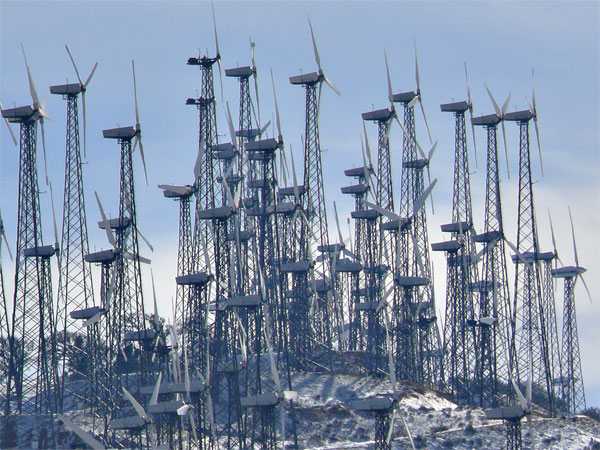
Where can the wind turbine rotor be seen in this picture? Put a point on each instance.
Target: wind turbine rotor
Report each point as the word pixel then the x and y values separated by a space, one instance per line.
pixel 12 134
pixel 39 108
pixel 83 90
pixel 470 104
pixel 419 95
pixel 138 129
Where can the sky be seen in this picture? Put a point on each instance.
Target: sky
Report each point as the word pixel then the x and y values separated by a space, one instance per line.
pixel 501 42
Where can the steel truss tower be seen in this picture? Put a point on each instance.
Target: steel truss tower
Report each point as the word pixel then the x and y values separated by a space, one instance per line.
pixel 32 365
pixel 459 335
pixel 418 358
pixel 571 380
pixel 493 375
pixel 530 333
pixel 316 336
pixel 75 282
pixel 383 245
pixel 356 276
pixel 4 326
pixel 129 302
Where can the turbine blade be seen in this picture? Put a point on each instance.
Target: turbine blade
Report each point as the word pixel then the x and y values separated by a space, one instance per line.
pixel 154 398
pixel 496 107
pixel 278 121
pixel 12 134
pixel 314 42
pixel 389 79
pixel 330 84
pixel 84 435
pixel 74 65
pixel 107 228
pixel 136 405
pixel 573 235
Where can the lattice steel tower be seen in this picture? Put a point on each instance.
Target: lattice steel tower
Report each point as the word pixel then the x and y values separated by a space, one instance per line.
pixel 530 334
pixel 313 200
pixel 571 380
pixel 419 317
pixel 32 364
pixel 459 335
pixel 495 319
pixel 75 290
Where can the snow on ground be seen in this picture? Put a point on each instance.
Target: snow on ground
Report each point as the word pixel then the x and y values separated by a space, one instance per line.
pixel 326 420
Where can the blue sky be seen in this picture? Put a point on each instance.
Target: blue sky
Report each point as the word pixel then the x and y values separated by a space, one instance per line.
pixel 500 41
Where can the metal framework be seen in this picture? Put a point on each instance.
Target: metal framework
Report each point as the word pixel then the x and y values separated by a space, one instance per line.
pixel 32 364
pixel 493 375
pixel 75 281
pixel 530 334
pixel 572 390
pixel 418 339
pixel 459 335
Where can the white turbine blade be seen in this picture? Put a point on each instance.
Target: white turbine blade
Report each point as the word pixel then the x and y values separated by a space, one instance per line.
pixel 74 65
pixel 264 128
pixel 274 372
pixel 419 148
pixel 423 197
pixel 337 223
pixel 136 405
pixel 425 118
pixel 89 78
pixel 144 238
pixel 586 288
pixel 194 433
pixel 314 42
pixel 109 233
pixel 418 255
pixel 367 146
pixel 186 374
pixel 535 121
pixel 520 397
pixel 111 287
pixel 277 118
pixel 573 235
pixel 199 158
pixel 137 113
pixel 331 85
pixel 389 79
pixel 505 150
pixel 84 125
pixel 54 216
pixel 385 212
pixel 432 150
pixel 519 255
pixel 496 107
pixel 552 234
pixel 417 79
pixel 12 134
pixel 154 398
pixel 32 90
pixel 138 138
pixel 84 435
pixel 44 150
pixel 227 189
pixel 231 127
pixel 295 178
pixel 156 321
pixel 413 102
pixel 506 103
pixel 388 343
pixel 391 427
